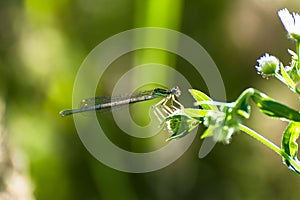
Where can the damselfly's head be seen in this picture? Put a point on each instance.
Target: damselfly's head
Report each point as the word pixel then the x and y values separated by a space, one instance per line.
pixel 176 91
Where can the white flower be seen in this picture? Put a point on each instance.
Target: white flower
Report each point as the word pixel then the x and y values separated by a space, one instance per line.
pixel 267 65
pixel 291 22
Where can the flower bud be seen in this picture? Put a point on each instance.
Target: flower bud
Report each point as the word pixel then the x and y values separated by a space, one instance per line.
pixel 267 65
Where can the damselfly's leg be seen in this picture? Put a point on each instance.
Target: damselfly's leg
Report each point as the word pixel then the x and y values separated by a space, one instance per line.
pixel 158 113
pixel 161 110
pixel 165 107
pixel 179 105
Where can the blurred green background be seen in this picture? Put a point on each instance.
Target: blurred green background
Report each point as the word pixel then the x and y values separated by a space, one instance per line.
pixel 42 45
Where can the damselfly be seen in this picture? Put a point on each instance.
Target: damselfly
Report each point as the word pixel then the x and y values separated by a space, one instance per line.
pixel 161 109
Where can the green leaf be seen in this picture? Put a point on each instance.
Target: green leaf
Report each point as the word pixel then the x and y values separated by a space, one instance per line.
pixel 242 103
pixel 180 125
pixel 273 108
pixel 287 78
pixel 291 134
pixel 244 109
pixel 289 144
pixel 208 132
pixel 197 113
pixel 200 96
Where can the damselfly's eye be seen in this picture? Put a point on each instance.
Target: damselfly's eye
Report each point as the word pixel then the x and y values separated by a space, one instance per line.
pixel 176 91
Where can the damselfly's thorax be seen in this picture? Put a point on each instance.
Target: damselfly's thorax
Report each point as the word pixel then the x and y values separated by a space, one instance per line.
pixel 175 91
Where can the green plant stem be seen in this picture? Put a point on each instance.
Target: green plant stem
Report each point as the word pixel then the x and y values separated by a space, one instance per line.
pixel 298 53
pixel 270 145
pixel 260 138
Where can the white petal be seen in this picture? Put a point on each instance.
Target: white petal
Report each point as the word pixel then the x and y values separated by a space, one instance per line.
pixel 297 23
pixel 286 19
pixel 291 22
